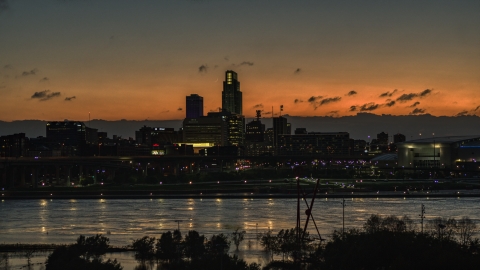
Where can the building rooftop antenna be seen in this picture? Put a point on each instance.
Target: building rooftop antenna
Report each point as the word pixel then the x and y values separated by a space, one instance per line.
pixel 258 114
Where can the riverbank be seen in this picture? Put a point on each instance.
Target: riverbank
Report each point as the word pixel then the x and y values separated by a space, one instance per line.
pixel 234 194
pixel 278 188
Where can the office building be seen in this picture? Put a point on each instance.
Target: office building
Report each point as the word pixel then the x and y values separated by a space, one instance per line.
pixel 13 145
pixel 440 152
pixel 205 131
pixel 157 136
pixel 315 143
pixel 231 94
pixel 73 138
pixel 255 131
pixel 382 138
pixel 194 106
pixel 235 126
pixel 280 126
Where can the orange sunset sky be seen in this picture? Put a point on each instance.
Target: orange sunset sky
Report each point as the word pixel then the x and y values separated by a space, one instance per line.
pixel 138 60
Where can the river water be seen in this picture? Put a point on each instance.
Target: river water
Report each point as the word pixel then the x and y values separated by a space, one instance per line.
pixel 62 221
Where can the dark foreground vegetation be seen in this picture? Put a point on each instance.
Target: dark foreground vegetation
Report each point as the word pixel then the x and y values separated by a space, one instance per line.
pixel 383 243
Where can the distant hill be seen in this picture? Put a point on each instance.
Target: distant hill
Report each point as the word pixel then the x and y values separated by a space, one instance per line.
pixel 359 126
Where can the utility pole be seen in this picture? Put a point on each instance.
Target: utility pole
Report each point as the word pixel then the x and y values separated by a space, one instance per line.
pixel 343 217
pixel 422 215
pixel 178 224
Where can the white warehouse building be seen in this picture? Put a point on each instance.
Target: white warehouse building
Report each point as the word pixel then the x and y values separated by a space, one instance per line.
pixel 440 152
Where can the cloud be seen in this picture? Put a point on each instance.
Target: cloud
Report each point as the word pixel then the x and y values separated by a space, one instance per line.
pixel 462 113
pixel 45 95
pixel 8 66
pixel 226 58
pixel 31 72
pixel 425 92
pixel 410 96
pixel 351 93
pixel 246 63
pixel 329 100
pixel 297 101
pixel 165 111
pixel 266 113
pixel 179 109
pixel 407 97
pixel 258 106
pixel 44 79
pixel 297 71
pixel 388 94
pixel 70 98
pixel 319 101
pixel 371 106
pixel 414 104
pixel 203 69
pixel 313 99
pixel 417 111
pixel 390 104
pixel 478 107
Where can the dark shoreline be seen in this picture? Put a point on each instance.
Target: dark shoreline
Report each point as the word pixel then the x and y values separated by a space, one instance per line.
pixel 230 195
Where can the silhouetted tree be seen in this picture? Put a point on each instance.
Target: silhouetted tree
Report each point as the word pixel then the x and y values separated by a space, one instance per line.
pixel 92 247
pixel 165 249
pixel 194 245
pixel 144 248
pixel 85 254
pixel 218 244
pixel 466 228
pixel 269 243
pixel 237 237
pixel 442 228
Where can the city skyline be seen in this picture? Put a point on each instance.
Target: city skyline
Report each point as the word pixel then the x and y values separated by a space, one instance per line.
pixel 118 60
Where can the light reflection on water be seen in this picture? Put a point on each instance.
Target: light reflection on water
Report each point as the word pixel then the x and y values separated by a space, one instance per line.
pixel 62 221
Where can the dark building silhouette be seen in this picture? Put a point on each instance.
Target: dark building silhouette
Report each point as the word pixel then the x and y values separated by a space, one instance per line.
pixel 220 151
pixel 315 143
pixel 360 147
pixel 299 131
pixel 158 139
pixel 41 147
pixel 255 142
pixel 209 130
pixel 382 138
pixel 194 106
pixel 398 138
pixel 280 126
pixel 231 94
pixel 73 138
pixel 255 131
pixel 157 136
pixel 13 145
pixel 235 126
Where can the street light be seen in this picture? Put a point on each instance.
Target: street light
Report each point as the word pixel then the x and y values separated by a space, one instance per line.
pixel 178 224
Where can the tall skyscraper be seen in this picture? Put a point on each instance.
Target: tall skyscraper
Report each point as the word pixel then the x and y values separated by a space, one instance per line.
pixel 194 106
pixel 280 126
pixel 231 95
